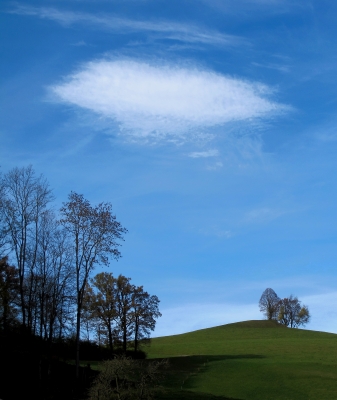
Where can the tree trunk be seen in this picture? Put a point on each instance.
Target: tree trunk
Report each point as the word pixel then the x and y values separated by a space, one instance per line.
pixel 110 336
pixel 136 334
pixel 78 326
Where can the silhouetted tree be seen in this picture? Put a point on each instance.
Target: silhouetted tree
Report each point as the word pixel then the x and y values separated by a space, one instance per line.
pixel 4 238
pixel 24 198
pixel 269 304
pixel 54 275
pixel 9 294
pixel 94 233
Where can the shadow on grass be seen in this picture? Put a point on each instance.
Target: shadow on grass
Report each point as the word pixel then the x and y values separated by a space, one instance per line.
pixel 188 364
pixel 188 395
pixel 182 369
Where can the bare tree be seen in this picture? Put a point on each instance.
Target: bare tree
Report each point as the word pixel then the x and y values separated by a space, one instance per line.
pixel 291 313
pixel 94 233
pixel 24 198
pixel 53 274
pixel 4 239
pixel 269 304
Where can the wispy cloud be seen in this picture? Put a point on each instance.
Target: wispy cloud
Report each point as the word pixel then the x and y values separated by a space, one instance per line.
pixel 187 33
pixel 213 167
pixel 278 67
pixel 204 154
pixel 264 215
pixel 242 7
pixel 216 231
pixel 80 43
pixel 156 101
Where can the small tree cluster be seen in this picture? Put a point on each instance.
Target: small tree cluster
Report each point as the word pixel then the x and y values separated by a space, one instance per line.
pixel 119 311
pixel 125 379
pixel 287 311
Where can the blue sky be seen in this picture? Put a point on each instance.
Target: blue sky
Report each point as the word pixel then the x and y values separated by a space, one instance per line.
pixel 209 125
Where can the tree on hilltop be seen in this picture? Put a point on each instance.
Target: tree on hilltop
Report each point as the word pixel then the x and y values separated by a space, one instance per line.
pixel 291 313
pixel 269 304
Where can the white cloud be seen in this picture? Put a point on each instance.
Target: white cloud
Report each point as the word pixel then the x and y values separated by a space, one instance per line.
pixel 182 32
pixel 264 215
pixel 162 101
pixel 204 154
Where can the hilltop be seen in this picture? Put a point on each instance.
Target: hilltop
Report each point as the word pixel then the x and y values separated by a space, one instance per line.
pixel 251 360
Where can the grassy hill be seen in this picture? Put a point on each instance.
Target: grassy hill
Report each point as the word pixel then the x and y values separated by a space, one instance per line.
pixel 251 360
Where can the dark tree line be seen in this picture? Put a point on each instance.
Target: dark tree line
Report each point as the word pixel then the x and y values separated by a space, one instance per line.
pixel 9 285
pixel 287 311
pixel 47 259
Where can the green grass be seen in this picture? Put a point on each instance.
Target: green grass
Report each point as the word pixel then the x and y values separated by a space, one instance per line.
pixel 252 360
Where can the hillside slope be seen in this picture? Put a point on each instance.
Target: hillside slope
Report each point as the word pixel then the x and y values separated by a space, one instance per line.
pixel 253 360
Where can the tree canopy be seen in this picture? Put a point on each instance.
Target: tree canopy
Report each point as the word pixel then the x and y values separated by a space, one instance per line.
pixel 123 312
pixel 287 311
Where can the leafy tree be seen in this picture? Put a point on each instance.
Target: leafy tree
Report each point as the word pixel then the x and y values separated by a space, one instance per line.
pixel 291 313
pixel 145 310
pixel 124 298
pixel 269 304
pixel 94 232
pixel 89 322
pixel 120 310
pixel 303 316
pixel 101 303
